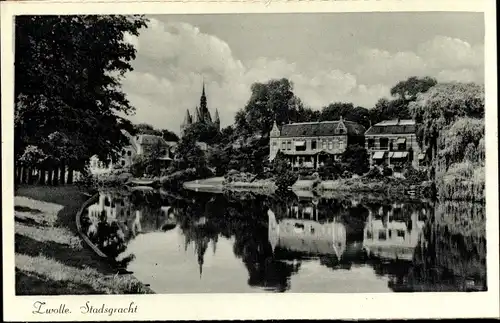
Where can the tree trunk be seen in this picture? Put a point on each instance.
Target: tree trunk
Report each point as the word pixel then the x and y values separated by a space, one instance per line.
pixel 55 178
pixel 63 173
pixel 41 180
pixel 70 175
pixel 29 177
pixel 16 175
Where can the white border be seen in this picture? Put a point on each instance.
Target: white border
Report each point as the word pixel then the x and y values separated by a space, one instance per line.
pixel 266 306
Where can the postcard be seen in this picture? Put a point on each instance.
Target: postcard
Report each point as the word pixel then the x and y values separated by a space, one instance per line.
pixel 249 160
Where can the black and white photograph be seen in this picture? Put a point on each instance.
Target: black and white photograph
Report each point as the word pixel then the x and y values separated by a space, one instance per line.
pixel 274 153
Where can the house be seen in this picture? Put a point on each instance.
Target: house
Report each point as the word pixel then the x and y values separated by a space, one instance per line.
pixel 393 143
pixel 388 236
pixel 141 144
pixel 307 144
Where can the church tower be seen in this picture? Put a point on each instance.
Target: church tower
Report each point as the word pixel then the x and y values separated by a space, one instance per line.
pixel 188 120
pixel 204 114
pixel 217 119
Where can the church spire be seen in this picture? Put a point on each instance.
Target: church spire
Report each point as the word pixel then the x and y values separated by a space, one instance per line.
pixel 204 114
pixel 217 119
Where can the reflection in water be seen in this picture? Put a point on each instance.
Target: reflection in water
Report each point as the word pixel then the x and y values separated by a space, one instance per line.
pixel 290 243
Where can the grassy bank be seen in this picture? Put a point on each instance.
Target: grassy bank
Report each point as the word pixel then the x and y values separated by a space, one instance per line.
pixel 50 257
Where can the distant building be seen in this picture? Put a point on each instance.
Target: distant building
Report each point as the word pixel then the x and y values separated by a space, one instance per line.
pixel 393 143
pixel 201 115
pixel 141 144
pixel 306 144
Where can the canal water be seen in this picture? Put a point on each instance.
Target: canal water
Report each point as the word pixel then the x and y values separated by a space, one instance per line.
pixel 197 242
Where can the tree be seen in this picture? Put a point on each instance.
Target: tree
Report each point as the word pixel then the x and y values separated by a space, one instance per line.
pixel 67 87
pixel 269 102
pixel 146 129
pixel 355 159
pixel 189 155
pixel 386 109
pixel 169 135
pixel 204 132
pixel 347 111
pixel 463 140
pixel 403 93
pixel 409 89
pixel 435 110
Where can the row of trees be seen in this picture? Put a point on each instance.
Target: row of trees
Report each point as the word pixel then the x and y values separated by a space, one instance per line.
pixel 68 94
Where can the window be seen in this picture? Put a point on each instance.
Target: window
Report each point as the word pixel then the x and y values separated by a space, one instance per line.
pixel 129 153
pixel 313 144
pixel 324 144
pixel 123 163
pixel 402 146
pixel 341 144
pixel 382 235
pixel 341 131
pixel 401 233
pixel 371 143
pixel 330 145
pixel 283 145
pixel 384 143
pixel 300 147
pixel 289 145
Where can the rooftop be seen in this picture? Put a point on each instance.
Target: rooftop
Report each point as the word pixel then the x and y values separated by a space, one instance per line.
pixel 403 126
pixel 323 128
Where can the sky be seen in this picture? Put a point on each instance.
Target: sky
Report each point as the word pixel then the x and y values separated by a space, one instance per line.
pixel 329 57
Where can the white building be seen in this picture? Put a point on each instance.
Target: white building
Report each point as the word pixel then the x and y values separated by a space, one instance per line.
pixel 138 145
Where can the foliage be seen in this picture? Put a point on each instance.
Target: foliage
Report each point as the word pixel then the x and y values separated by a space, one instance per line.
pixel 331 169
pixel 441 106
pixel 386 109
pixel 284 176
pixel 169 135
pixel 190 155
pixel 67 88
pixel 463 140
pixel 403 93
pixel 269 102
pixel 146 129
pixel 204 132
pixel 410 88
pixel 414 175
pixel 347 111
pixel 355 159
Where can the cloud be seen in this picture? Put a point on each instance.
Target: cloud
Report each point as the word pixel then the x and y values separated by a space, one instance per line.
pixel 447 52
pixel 174 58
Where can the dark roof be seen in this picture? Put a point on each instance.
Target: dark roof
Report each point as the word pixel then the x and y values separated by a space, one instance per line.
pixel 392 127
pixel 323 128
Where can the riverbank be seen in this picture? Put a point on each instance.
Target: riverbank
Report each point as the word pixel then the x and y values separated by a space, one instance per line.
pixel 219 184
pixel 50 257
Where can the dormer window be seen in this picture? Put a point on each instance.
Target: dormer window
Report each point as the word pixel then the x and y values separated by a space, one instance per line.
pixel 341 131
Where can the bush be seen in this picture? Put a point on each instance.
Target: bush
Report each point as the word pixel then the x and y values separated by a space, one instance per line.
pixel 386 171
pixel 414 175
pixel 286 179
pixel 374 173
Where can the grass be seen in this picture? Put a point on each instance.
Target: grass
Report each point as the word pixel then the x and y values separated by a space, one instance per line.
pixel 50 257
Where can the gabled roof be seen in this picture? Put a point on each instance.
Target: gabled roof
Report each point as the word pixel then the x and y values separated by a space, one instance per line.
pixel 404 126
pixel 323 128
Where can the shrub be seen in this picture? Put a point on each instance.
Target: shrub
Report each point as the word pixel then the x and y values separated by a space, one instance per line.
pixel 386 171
pixel 286 179
pixel 414 175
